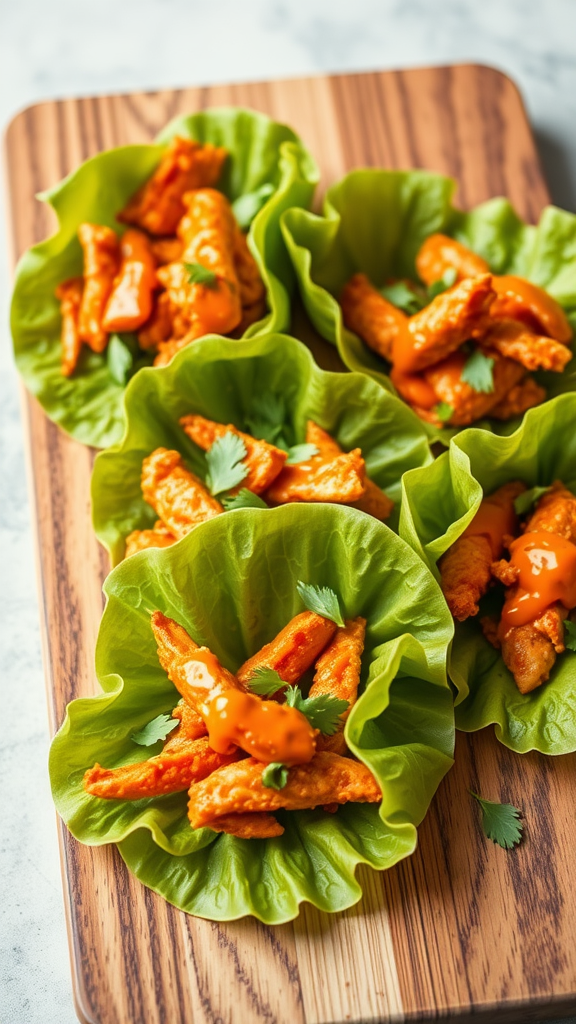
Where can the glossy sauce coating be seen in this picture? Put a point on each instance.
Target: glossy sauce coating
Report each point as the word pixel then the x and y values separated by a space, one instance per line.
pixel 263 728
pixel 493 521
pixel 546 565
pixel 130 303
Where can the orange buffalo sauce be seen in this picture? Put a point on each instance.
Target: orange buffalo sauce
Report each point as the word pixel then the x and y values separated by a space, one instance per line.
pixel 547 574
pixel 493 521
pixel 414 388
pixel 266 730
pixel 130 303
pixel 203 675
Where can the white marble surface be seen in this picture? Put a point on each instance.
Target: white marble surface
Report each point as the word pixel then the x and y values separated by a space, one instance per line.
pixel 71 47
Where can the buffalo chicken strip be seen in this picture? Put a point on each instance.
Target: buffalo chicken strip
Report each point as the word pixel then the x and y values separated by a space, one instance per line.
pixel 130 303
pixel 519 299
pixel 263 461
pixel 101 261
pixel 338 674
pixel 529 649
pixel 337 478
pixel 159 205
pixel 270 731
pixel 366 312
pixel 247 826
pixel 181 763
pixel 327 779
pixel 178 497
pixel 440 253
pixel 207 230
pixel 468 405
pixel 465 568
pixel 69 294
pixel 295 648
pixel 374 501
pixel 453 317
pixel 514 340
pixel 140 540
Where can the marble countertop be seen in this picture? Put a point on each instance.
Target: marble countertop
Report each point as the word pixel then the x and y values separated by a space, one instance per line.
pixel 72 47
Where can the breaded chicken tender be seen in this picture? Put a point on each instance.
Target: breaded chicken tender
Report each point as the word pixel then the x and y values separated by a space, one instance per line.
pixel 327 779
pixel 175 769
pixel 247 826
pixel 453 317
pixel 465 568
pixel 529 650
pixel 263 461
pixel 70 295
pixel 101 262
pixel 519 299
pixel 158 537
pixel 513 339
pixel 195 671
pixel 338 674
pixel 521 397
pixel 366 312
pixel 178 497
pixel 295 648
pixel 130 303
pixel 337 478
pixel 440 253
pixel 468 404
pixel 159 205
pixel 160 325
pixel 374 502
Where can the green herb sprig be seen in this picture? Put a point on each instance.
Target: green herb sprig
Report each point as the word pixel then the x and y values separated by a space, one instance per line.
pixel 500 822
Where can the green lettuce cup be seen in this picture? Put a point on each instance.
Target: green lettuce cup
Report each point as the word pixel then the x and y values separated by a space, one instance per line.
pixel 219 379
pixel 232 584
pixel 375 221
pixel 268 171
pixel 438 503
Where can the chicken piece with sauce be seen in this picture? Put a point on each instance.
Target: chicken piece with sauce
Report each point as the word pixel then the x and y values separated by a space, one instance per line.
pixel 541 577
pixel 159 205
pixel 465 568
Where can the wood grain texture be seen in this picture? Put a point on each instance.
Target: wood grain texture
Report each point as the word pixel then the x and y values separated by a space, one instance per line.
pixel 462 929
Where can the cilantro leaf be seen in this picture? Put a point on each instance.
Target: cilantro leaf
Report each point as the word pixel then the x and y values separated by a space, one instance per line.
pixel 121 354
pixel 300 453
pixel 478 373
pixel 400 295
pixel 570 635
pixel 500 822
pixel 322 712
pixel 442 284
pixel 265 682
pixel 244 499
pixel 523 503
pixel 443 411
pixel 321 600
pixel 224 459
pixel 197 274
pixel 275 775
pixel 157 729
pixel 247 206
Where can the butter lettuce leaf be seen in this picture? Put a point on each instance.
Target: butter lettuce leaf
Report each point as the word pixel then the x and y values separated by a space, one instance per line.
pixel 439 502
pixel 225 381
pixel 374 221
pixel 262 153
pixel 232 584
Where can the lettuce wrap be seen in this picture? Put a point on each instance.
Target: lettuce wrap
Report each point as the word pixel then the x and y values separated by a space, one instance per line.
pixel 266 159
pixel 222 380
pixel 438 503
pixel 375 221
pixel 232 584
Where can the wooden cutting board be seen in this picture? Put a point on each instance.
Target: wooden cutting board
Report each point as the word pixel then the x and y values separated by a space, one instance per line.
pixel 462 928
